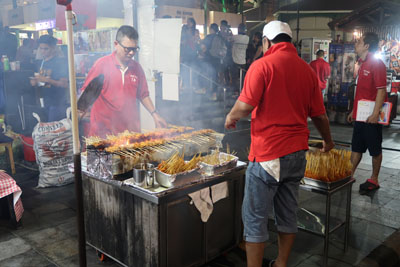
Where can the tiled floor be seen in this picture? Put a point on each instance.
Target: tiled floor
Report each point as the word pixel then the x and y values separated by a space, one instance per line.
pixel 48 235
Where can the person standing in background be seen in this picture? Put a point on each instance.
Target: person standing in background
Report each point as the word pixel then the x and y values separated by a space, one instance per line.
pixel 213 45
pixel 8 43
pixel 371 85
pixel 188 52
pixel 322 69
pixel 52 79
pixel 25 55
pixel 254 50
pixel 239 46
pixel 227 63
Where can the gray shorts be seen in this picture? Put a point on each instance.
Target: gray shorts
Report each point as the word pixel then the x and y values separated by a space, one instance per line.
pixel 263 193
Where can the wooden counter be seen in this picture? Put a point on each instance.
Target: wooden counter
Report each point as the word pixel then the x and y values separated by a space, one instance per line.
pixel 137 228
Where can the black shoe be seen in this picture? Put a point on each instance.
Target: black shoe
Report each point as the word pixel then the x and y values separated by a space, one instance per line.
pixel 267 263
pixel 368 186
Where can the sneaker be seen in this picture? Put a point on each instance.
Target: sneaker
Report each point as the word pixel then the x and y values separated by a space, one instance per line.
pixel 369 186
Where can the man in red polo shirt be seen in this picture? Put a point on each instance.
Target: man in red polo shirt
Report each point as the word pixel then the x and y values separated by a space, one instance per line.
pixel 281 91
pixel 116 110
pixel 322 69
pixel 371 85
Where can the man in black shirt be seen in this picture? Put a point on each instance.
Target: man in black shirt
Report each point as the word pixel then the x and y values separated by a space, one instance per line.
pixel 52 79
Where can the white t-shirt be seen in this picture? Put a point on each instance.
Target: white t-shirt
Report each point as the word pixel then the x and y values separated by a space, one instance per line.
pixel 239 47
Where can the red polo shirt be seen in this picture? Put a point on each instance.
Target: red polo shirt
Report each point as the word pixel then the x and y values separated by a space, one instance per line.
pixel 116 110
pixel 284 91
pixel 323 71
pixel 371 78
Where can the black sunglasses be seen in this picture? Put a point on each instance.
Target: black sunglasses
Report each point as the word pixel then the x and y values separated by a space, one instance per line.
pixel 129 49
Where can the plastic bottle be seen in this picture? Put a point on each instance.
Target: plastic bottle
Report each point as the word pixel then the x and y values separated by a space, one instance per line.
pixel 6 63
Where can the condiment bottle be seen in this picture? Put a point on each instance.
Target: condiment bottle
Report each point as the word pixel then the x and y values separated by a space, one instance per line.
pixel 6 63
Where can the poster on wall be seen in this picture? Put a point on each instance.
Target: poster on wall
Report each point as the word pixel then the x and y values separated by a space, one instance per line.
pixel 393 47
pixel 349 59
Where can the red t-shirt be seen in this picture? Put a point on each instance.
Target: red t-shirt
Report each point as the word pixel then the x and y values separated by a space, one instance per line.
pixel 115 110
pixel 284 91
pixel 323 71
pixel 371 78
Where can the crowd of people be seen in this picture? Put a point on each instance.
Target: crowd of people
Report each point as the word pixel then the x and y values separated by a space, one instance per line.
pixel 216 60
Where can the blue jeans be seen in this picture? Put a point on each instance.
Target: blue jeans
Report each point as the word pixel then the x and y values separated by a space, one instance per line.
pixel 263 194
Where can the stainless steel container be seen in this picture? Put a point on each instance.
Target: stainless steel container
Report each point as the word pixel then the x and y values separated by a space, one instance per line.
pixel 143 175
pixel 177 180
pixel 226 164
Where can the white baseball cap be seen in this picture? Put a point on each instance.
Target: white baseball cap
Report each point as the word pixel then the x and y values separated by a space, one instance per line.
pixel 276 27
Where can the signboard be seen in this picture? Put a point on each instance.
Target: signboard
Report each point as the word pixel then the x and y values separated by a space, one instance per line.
pixel 45 24
pixel 86 14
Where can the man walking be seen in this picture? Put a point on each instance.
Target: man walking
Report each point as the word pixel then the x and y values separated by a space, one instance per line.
pixel 281 91
pixel 371 85
pixel 322 69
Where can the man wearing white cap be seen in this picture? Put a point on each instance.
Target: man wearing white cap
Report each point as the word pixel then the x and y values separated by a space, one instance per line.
pixel 281 91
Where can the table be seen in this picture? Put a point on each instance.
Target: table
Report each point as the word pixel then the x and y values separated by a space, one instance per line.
pixel 137 228
pixel 327 231
pixel 10 201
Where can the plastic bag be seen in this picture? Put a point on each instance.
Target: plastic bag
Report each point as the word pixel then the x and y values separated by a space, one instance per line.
pixel 54 151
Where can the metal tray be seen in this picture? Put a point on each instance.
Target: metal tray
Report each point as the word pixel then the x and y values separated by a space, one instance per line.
pixel 210 170
pixel 325 185
pixel 177 180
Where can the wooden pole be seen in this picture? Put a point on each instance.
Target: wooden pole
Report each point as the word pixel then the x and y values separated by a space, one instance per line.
pixel 69 16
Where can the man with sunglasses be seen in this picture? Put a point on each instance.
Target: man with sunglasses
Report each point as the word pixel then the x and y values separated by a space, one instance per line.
pixel 116 109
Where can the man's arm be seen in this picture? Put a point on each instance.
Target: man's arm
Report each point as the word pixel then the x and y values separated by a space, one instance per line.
pixel 322 124
pixel 328 73
pixel 158 120
pixel 239 110
pixel 62 82
pixel 380 98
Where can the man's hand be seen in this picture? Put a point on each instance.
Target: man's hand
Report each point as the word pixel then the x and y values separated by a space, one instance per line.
pixel 326 147
pixel 159 121
pixel 230 123
pixel 42 79
pixel 373 118
pixel 350 117
pixel 33 81
pixel 239 110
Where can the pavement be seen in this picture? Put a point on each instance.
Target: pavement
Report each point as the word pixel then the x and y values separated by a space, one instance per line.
pixel 48 236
